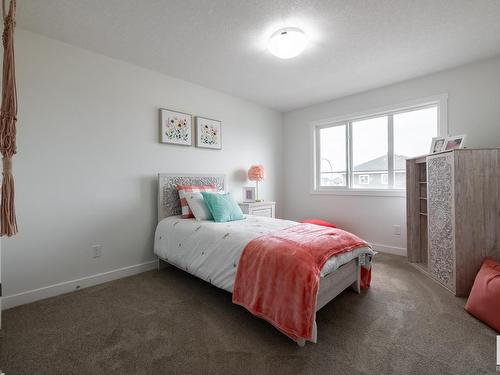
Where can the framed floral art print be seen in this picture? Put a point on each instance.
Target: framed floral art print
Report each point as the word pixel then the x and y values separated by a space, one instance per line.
pixel 208 133
pixel 176 127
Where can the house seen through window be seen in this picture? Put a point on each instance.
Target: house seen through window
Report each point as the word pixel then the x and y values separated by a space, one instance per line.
pixel 371 152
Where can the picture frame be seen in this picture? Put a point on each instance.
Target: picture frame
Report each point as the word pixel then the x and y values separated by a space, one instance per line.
pixel 249 194
pixel 176 127
pixel 455 142
pixel 208 133
pixel 438 144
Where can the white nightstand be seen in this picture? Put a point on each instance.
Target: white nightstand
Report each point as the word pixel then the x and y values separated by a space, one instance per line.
pixel 267 209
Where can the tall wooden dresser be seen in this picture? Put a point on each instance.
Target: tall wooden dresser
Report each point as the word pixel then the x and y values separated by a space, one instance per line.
pixel 453 214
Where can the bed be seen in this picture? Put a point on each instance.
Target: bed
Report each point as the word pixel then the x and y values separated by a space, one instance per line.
pixel 211 250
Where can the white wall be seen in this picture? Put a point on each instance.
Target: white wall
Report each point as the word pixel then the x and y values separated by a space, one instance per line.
pixel 88 155
pixel 473 108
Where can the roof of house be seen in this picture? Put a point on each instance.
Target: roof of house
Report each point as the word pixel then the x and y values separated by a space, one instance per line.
pixel 380 164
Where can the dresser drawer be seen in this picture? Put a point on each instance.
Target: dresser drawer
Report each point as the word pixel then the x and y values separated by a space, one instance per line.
pixel 265 209
pixel 267 212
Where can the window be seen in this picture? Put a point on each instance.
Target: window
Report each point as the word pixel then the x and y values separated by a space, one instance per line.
pixel 413 132
pixel 333 170
pixel 369 152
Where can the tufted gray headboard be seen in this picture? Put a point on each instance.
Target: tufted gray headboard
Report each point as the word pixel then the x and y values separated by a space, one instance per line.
pixel 168 197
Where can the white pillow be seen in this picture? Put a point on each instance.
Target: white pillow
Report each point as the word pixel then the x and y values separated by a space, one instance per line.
pixel 198 206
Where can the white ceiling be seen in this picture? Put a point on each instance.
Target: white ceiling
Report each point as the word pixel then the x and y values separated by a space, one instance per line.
pixel 221 44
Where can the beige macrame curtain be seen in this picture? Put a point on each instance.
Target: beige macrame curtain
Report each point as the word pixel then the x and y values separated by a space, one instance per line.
pixel 8 117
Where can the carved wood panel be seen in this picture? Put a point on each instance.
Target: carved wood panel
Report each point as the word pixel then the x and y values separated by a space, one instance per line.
pixel 440 193
pixel 168 197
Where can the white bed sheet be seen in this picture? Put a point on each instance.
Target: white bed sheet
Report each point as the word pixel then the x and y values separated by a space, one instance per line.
pixel 211 250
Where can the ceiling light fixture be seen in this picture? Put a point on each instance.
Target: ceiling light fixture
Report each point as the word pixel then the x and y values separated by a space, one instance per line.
pixel 287 43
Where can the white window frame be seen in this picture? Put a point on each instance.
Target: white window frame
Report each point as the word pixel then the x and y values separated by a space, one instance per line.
pixel 441 101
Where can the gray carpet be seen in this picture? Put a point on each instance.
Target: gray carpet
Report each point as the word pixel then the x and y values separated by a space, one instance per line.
pixel 169 322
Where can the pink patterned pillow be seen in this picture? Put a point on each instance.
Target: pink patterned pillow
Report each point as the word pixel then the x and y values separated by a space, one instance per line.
pixel 184 189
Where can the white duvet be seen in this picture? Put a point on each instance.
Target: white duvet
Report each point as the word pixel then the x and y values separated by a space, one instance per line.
pixel 211 250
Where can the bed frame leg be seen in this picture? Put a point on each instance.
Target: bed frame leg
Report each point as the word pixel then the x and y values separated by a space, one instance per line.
pixel 161 264
pixel 356 286
pixel 301 342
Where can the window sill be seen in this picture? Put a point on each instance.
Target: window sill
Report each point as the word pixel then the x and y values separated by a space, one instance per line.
pixel 362 192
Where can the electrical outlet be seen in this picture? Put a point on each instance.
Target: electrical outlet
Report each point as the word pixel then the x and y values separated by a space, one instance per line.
pixel 96 251
pixel 396 230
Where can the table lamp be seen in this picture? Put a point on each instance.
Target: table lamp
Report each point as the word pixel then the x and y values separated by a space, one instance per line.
pixel 256 173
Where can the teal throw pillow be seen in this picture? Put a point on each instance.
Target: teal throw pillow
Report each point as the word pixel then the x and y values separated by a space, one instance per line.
pixel 222 207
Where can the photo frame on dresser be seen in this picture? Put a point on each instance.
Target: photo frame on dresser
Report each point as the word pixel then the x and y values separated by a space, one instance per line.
pixel 438 144
pixel 455 142
pixel 249 194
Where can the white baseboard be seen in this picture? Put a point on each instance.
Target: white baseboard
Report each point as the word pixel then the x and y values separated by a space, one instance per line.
pixel 72 285
pixel 389 249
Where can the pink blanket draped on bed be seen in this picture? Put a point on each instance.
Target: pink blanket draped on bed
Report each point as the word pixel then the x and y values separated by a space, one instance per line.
pixel 278 274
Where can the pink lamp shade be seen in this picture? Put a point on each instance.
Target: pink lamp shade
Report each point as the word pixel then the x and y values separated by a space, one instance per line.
pixel 256 173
